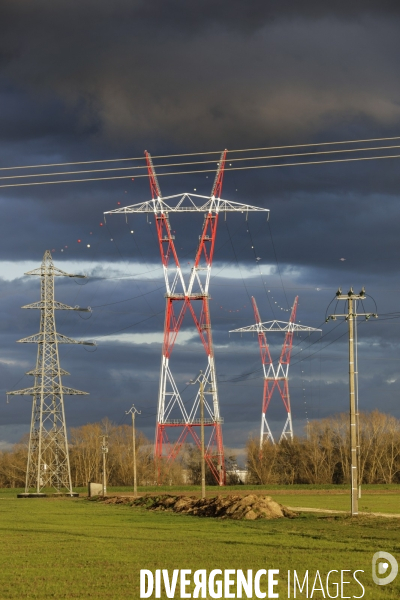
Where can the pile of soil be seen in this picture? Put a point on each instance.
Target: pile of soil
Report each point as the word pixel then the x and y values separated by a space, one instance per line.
pixel 250 507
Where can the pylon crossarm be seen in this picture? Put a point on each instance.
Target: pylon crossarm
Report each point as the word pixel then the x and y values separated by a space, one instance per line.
pixel 54 305
pixel 51 338
pixel 67 391
pixel 196 421
pixel 49 269
pixel 53 389
pixel 25 392
pixel 273 326
pixel 187 202
pixel 53 371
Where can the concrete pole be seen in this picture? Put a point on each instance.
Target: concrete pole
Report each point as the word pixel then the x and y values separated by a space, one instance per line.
pixel 203 463
pixel 353 416
pixel 134 454
pixel 104 451
pixel 133 411
pixel 351 316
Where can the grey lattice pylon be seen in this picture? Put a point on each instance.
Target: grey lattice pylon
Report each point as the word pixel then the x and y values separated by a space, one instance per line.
pixel 48 460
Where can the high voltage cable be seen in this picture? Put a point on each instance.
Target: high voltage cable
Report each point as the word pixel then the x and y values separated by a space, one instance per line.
pixel 338 338
pixel 244 375
pixel 387 317
pixel 201 162
pixel 277 263
pixel 88 162
pixel 313 144
pixel 127 299
pixel 97 337
pixel 318 162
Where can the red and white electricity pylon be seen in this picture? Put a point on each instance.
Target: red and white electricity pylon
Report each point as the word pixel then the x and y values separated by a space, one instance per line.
pixel 186 296
pixel 275 377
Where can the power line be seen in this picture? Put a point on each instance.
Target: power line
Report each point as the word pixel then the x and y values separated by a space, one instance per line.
pixel 127 299
pixel 259 269
pixel 244 375
pixel 295 164
pixel 112 160
pixel 277 263
pixel 129 326
pixel 317 144
pixel 201 162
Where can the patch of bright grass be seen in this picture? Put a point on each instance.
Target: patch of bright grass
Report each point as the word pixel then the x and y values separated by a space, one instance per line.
pixel 379 503
pixel 72 548
pixel 214 490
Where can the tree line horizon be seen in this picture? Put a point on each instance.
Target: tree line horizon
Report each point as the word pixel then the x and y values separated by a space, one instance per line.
pixel 322 457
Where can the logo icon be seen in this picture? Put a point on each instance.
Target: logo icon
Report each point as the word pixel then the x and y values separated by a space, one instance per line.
pixel 380 565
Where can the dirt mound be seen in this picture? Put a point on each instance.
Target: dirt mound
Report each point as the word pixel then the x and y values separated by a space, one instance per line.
pixel 250 507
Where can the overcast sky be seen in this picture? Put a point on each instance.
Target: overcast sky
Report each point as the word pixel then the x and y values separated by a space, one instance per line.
pixel 93 80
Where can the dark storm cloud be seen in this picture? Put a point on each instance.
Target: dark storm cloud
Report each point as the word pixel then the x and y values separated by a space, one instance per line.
pixel 197 74
pixel 93 80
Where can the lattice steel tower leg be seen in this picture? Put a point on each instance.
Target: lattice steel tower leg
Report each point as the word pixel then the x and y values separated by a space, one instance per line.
pixel 48 459
pixel 188 297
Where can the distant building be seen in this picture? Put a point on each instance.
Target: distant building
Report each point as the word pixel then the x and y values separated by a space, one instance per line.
pixel 237 476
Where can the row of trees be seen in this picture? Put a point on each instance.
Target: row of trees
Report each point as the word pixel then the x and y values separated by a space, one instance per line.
pixel 86 459
pixel 322 457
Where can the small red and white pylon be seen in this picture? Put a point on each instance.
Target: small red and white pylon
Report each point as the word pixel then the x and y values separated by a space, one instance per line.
pixel 275 377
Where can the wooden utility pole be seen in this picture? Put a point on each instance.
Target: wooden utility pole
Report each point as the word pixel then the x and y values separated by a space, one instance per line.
pixel 350 317
pixel 133 411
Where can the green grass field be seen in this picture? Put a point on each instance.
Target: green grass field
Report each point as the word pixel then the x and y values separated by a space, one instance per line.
pixel 376 503
pixel 72 548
